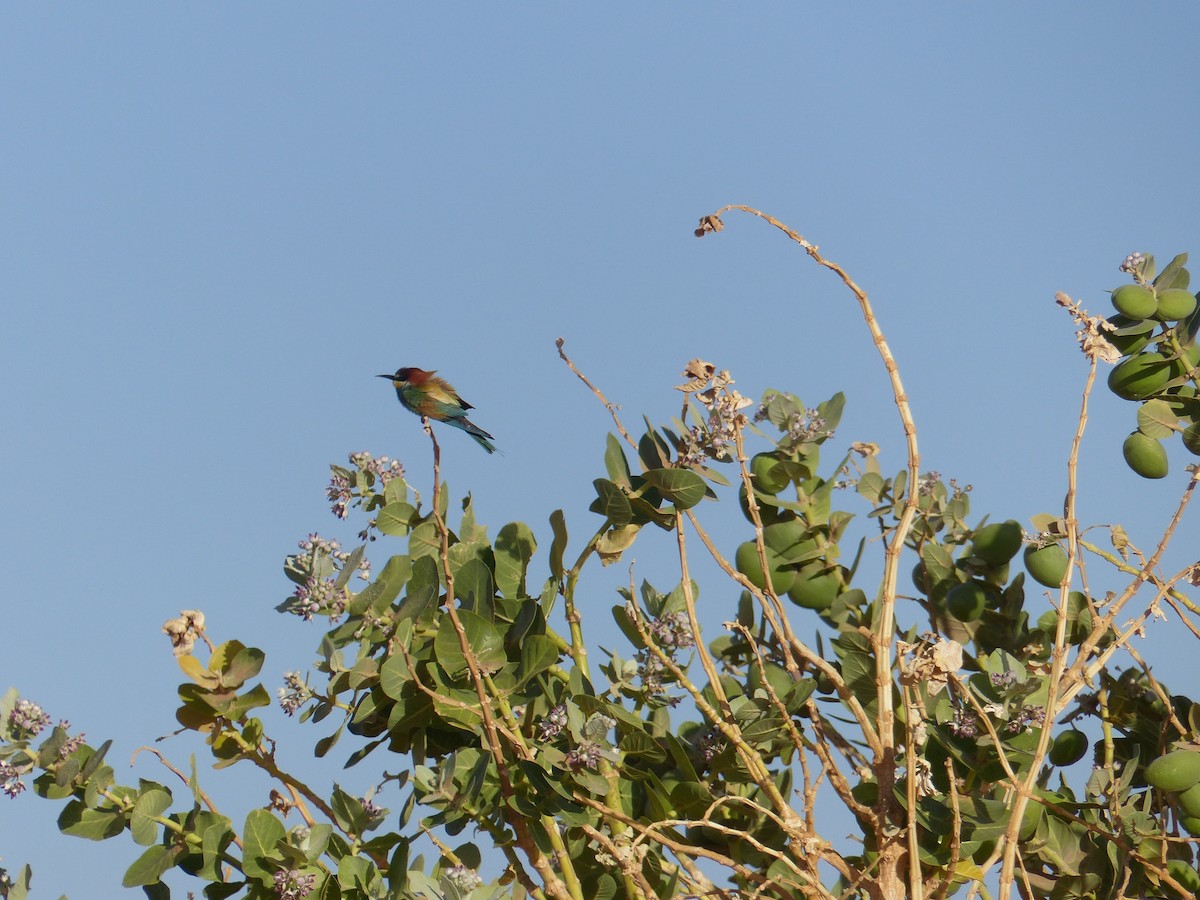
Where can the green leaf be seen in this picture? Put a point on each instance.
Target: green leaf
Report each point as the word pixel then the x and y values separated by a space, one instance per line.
pixel 515 546
pixel 149 867
pixel 831 410
pixel 485 641
pixel 538 653
pixel 215 839
pixel 381 592
pixel 244 666
pixel 615 461
pixel 682 487
pixel 611 503
pixel 473 586
pixel 93 824
pixel 149 805
pixel 558 525
pixel 396 519
pixel 260 834
pixel 1174 275
pixel 1155 419
pixel 255 698
pixel 355 874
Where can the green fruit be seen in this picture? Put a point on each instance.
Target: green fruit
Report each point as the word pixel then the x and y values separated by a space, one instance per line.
pixel 1175 771
pixel 920 578
pixel 1030 819
pixel 997 543
pixel 767 513
pixel 1189 800
pixel 1141 376
pixel 789 539
pixel 1145 455
pixel 1068 748
pixel 764 479
pixel 1134 301
pixel 1191 438
pixel 1184 873
pixel 866 792
pixel 1192 824
pixel 1046 565
pixel 747 562
pixel 1136 334
pixel 966 601
pixel 1174 305
pixel 815 588
pixel 775 675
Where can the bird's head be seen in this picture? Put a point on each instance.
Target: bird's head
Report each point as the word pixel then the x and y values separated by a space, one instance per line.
pixel 408 374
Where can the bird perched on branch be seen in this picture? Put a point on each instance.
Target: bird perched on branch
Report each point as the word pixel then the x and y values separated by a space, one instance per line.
pixel 431 397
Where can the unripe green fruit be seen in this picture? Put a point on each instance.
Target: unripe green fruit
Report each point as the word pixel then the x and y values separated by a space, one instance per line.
pixel 767 514
pixel 1030 819
pixel 1174 305
pixel 997 543
pixel 1189 800
pixel 1068 748
pixel 866 792
pixel 1184 874
pixel 764 479
pixel 966 601
pixel 1046 565
pixel 1135 301
pixel 920 577
pixel 1191 438
pixel 771 673
pixel 1145 455
pixel 1175 771
pixel 1141 376
pixel 815 589
pixel 789 539
pixel 1192 824
pixel 747 562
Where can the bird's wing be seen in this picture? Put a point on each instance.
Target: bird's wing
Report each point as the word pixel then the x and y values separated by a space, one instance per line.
pixel 446 400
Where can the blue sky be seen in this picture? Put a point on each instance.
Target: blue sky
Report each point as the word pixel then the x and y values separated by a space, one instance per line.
pixel 220 222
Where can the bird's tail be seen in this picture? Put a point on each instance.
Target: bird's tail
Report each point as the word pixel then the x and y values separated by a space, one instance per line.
pixel 482 438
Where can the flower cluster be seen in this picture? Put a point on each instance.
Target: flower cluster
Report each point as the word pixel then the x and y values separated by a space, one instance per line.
pixel 291 884
pixel 293 694
pixel 374 812
pixel 317 590
pixel 1003 680
pixel 26 720
pixel 347 488
pixel 670 633
pixel 552 724
pixel 673 630
pixel 710 743
pixel 964 724
pixel 724 406
pixel 1028 717
pixel 928 483
pixel 184 631
pixel 585 756
pixel 466 880
pixel 10 780
pixel 1132 264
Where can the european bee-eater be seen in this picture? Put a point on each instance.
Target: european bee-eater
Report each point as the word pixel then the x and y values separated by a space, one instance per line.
pixel 431 397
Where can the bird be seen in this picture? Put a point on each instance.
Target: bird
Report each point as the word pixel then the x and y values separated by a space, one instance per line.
pixel 428 396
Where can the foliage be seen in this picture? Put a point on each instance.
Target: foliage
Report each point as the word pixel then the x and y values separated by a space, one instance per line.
pixel 946 720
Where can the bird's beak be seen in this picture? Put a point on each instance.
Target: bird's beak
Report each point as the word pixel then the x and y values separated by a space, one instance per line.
pixel 389 377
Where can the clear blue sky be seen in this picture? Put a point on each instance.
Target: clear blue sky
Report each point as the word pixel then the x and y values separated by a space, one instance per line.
pixel 219 222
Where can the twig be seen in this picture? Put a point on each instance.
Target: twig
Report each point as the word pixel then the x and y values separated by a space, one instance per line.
pixel 611 407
